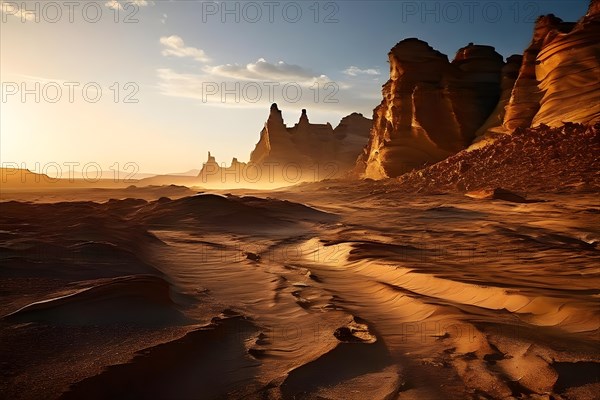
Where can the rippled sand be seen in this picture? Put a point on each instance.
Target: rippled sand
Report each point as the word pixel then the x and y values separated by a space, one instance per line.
pixel 318 291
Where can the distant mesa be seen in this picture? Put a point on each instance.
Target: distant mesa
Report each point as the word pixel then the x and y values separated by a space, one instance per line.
pixel 15 176
pixel 303 152
pixel 309 144
pixel 433 108
pixel 213 172
pixel 303 144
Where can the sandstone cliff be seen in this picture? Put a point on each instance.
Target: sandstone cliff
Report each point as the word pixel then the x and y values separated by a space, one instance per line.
pixel 509 73
pixel 432 108
pixel 559 77
pixel 568 71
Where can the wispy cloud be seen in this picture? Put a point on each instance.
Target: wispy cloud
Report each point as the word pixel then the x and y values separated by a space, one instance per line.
pixel 113 4
pixel 220 91
pixel 262 70
pixel 260 83
pixel 355 71
pixel 175 46
pixel 116 5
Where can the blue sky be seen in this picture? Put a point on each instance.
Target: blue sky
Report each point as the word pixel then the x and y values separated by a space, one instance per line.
pixel 174 57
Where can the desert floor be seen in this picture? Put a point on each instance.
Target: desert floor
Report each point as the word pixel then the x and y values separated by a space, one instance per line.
pixel 332 290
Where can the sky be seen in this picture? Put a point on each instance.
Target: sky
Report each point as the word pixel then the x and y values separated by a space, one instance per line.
pixel 152 86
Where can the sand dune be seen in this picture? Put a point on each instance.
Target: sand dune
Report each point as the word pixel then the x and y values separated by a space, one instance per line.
pixel 228 212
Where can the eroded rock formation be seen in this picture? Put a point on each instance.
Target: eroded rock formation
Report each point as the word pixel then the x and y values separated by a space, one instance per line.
pixel 559 77
pixel 214 173
pixel 352 133
pixel 568 71
pixel 304 152
pixel 432 108
pixel 525 98
pixel 509 73
pixel 317 150
pixel 304 143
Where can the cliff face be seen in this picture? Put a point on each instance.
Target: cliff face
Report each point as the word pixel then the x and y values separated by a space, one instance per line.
pixel 304 152
pixel 568 71
pixel 559 77
pixel 525 98
pixel 509 74
pixel 431 108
